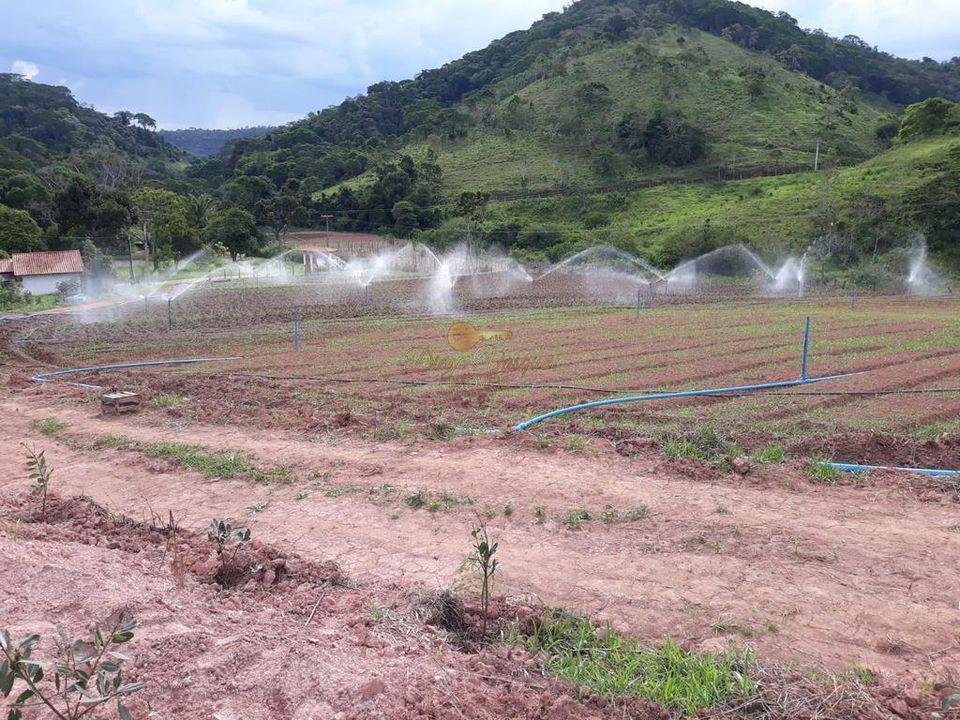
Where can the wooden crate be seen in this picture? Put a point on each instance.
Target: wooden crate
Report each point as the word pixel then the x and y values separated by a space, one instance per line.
pixel 120 402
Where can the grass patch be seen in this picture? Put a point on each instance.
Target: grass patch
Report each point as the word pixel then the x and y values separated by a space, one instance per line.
pixel 399 431
pixel 48 426
pixel 111 441
pixel 436 502
pixel 165 401
pixel 770 454
pixel 542 442
pixel 210 464
pixel 575 443
pixel 601 661
pixel 863 675
pixel 824 473
pixel 341 490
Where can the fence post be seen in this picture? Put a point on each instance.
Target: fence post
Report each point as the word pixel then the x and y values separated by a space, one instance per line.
pixel 296 332
pixel 806 350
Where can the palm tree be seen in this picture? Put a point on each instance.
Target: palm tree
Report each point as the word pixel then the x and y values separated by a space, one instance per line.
pixel 200 209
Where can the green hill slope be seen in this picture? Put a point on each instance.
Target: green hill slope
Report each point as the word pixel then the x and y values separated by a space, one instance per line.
pixel 860 212
pixel 571 129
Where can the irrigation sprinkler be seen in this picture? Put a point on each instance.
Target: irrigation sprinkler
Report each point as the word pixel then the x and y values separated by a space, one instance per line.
pixel 296 332
pixel 170 315
pixel 806 350
pixel 639 301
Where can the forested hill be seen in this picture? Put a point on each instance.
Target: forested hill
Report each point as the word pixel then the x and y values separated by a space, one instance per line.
pixel 40 124
pixel 201 142
pixel 391 109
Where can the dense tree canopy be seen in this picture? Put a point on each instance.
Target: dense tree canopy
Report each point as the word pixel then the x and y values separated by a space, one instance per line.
pixel 236 230
pixel 18 231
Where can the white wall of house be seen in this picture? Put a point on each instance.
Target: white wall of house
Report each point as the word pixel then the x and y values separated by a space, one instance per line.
pixel 46 284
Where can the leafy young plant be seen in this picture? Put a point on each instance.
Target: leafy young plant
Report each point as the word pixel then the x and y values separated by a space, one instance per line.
pixel 482 558
pixel 229 541
pixel 39 473
pixel 86 673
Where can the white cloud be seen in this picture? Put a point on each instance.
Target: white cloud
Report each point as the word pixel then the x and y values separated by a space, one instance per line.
pixel 26 68
pixel 909 28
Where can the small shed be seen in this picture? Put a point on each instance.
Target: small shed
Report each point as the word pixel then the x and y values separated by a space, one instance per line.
pixel 6 270
pixel 41 272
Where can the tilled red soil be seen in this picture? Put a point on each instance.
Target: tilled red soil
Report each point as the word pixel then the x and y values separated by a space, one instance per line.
pixel 299 639
pixel 250 652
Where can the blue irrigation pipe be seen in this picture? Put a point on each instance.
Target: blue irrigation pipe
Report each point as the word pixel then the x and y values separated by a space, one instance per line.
pixel 527 424
pixel 47 376
pixel 851 467
pixel 804 380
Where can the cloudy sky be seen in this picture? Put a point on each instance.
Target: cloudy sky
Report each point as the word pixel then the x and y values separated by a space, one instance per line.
pixel 230 63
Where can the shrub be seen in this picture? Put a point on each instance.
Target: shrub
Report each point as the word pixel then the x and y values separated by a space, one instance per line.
pixel 86 673
pixel 482 558
pixel 229 542
pixel 39 473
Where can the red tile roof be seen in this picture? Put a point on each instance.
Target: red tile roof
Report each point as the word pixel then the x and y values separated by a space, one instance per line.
pixel 6 266
pixel 55 262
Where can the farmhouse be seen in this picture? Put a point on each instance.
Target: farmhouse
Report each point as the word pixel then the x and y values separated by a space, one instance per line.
pixel 41 272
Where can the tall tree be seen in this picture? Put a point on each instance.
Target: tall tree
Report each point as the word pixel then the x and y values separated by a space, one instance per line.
pixel 18 231
pixel 235 229
pixel 163 216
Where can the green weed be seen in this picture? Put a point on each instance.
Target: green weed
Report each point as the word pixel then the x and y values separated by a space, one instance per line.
pixel 770 454
pixel 215 464
pixel 165 401
pixel 48 426
pixel 602 661
pixel 821 472
pixel 398 431
pixel 574 519
pixel 113 441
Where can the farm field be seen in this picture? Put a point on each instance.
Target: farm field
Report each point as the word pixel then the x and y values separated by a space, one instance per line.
pixel 398 378
pixel 378 447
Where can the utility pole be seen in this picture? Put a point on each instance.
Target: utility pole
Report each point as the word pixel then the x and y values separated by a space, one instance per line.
pixel 130 258
pixel 327 217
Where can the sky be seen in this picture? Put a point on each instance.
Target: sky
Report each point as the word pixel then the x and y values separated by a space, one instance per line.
pixel 233 63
